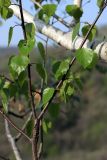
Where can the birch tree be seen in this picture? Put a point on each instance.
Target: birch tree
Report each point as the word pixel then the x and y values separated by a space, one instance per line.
pixel 38 101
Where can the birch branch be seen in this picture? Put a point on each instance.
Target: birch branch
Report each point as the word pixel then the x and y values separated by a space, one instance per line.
pixel 60 37
pixel 12 142
pixel 78 3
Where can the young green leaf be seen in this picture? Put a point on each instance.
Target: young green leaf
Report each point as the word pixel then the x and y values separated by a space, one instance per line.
pixel 4 101
pixel 41 71
pixel 6 12
pixel 30 30
pixel 46 125
pixel 66 90
pixel 4 93
pixel 41 50
pixel 75 31
pixel 46 12
pixel 18 64
pixel 60 67
pixel 5 3
pixel 10 35
pixel 86 57
pixel 78 81
pixel 92 34
pixel 75 11
pixel 25 47
pixel 49 9
pixel 47 95
pixel 100 3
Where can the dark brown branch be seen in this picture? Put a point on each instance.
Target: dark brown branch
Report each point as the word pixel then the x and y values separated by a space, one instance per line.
pixel 29 71
pixel 14 125
pixel 29 86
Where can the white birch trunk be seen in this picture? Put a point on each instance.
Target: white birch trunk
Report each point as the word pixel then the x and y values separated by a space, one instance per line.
pixel 59 36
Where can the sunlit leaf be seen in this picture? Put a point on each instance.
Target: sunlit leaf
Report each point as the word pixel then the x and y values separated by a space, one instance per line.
pixel 86 57
pixel 47 95
pixel 18 63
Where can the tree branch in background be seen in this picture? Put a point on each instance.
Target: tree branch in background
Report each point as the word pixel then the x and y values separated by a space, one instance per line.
pixel 12 142
pixel 14 125
pixel 3 158
pixel 21 116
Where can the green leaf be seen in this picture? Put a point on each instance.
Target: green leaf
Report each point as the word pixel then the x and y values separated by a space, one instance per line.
pixel 25 47
pixel 86 57
pixel 41 50
pixel 100 3
pixel 46 124
pixel 41 71
pixel 92 34
pixel 66 90
pixel 54 109
pixel 78 81
pixel 4 93
pixel 29 127
pixel 21 78
pixel 5 3
pixel 6 12
pixel 75 11
pixel 47 95
pixel 49 9
pixel 30 30
pixel 10 35
pixel 4 101
pixel 18 64
pixel 12 89
pixel 59 68
pixel 46 12
pixel 75 31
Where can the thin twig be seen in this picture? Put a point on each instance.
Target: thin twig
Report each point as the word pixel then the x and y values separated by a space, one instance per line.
pixel 14 125
pixel 21 116
pixel 16 115
pixel 18 136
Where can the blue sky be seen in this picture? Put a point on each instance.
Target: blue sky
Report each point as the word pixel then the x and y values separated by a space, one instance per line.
pixel 90 12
